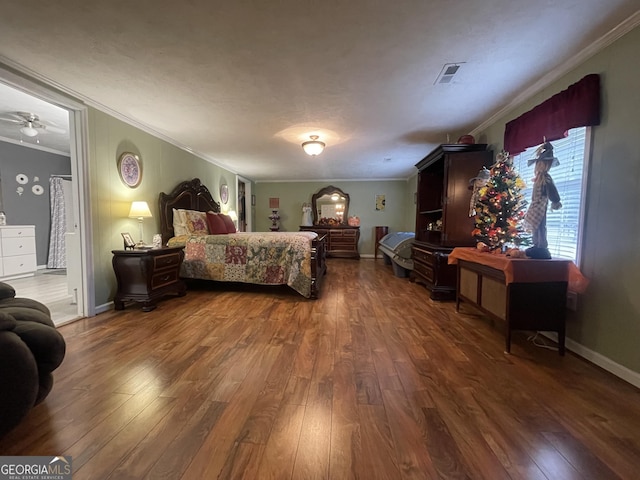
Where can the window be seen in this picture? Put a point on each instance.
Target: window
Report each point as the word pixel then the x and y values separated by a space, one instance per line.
pixel 564 226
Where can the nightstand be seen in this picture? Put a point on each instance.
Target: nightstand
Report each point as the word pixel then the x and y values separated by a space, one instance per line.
pixel 147 275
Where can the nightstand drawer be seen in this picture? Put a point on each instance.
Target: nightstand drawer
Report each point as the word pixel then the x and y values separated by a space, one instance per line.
pixel 166 261
pixel 164 278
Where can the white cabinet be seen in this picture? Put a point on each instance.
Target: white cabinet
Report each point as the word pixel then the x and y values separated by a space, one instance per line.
pixel 17 251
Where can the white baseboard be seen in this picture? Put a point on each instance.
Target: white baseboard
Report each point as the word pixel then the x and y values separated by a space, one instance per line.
pixel 598 359
pixel 105 307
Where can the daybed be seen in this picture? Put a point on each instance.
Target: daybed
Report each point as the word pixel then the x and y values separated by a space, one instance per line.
pixel 296 259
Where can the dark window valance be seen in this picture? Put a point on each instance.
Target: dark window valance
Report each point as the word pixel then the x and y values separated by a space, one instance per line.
pixel 577 106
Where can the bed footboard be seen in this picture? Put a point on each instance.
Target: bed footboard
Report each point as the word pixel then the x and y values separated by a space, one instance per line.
pixel 318 264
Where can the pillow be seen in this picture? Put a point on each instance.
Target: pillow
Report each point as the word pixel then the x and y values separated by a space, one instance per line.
pixel 231 228
pixel 179 226
pixel 216 224
pixel 196 222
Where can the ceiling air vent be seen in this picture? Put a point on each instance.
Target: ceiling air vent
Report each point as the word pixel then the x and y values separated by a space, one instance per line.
pixel 447 73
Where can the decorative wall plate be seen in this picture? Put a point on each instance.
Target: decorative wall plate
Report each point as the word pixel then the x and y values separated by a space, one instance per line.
pixel 224 193
pixel 130 169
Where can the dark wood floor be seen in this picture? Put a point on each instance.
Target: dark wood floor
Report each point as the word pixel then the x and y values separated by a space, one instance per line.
pixel 373 381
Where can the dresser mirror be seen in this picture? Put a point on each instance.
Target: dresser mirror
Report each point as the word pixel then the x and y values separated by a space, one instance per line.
pixel 330 206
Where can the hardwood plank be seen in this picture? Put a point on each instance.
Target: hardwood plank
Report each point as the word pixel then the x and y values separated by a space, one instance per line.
pixel 223 439
pixel 258 426
pixel 408 437
pixel 173 461
pixel 312 457
pixel 345 424
pixel 280 451
pixel 118 448
pixel 375 455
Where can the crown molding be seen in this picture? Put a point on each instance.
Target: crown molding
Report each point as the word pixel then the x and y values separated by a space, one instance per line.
pixel 607 39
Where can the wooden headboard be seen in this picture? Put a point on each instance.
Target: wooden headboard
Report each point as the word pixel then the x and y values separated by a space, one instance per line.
pixel 189 195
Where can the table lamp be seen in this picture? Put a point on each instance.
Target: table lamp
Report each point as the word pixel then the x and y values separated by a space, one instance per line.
pixel 140 210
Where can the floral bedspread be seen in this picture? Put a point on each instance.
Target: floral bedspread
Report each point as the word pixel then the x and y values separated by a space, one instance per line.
pixel 264 258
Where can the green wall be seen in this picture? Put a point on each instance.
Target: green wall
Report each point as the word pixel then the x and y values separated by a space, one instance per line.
pixel 164 166
pixel 398 215
pixel 607 321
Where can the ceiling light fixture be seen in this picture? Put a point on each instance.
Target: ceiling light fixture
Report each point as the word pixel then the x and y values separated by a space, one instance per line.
pixel 28 130
pixel 314 146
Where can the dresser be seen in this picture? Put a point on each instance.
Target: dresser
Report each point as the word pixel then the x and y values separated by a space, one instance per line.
pixel 442 214
pixel 145 276
pixel 341 240
pixel 17 251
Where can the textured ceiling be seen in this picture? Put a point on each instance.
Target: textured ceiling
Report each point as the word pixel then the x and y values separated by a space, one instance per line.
pixel 243 83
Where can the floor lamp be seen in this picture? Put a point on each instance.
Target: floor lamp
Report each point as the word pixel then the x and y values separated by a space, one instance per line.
pixel 140 210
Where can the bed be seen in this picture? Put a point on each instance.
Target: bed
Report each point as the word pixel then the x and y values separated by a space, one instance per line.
pixel 296 259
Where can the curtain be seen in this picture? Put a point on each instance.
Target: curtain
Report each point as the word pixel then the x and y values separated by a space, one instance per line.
pixel 57 249
pixel 577 106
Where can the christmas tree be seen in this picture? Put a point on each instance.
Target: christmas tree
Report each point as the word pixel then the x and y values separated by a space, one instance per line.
pixel 500 207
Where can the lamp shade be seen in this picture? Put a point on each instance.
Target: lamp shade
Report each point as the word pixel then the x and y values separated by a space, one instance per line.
pixel 28 130
pixel 233 215
pixel 314 146
pixel 139 210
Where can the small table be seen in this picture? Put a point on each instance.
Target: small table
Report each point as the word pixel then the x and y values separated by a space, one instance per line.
pixel 380 232
pixel 146 275
pixel 525 294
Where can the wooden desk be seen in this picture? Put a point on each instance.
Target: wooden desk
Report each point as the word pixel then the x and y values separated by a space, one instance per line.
pixel 525 294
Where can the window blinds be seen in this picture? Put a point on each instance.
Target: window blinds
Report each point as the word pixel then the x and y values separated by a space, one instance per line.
pixel 564 226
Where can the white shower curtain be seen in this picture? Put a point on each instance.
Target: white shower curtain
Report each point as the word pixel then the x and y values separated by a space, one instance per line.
pixel 57 250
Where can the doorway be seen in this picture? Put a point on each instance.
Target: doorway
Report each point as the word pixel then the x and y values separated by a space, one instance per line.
pixel 72 295
pixel 244 204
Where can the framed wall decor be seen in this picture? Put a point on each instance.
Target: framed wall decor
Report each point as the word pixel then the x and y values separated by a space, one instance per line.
pixel 224 193
pixel 380 202
pixel 130 169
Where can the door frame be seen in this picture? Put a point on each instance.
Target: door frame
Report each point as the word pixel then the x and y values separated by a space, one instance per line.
pixel 247 200
pixel 39 87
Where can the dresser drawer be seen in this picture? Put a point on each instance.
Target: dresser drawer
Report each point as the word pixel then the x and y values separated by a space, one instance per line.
pixel 167 261
pixel 17 232
pixel 423 256
pixel 425 271
pixel 12 246
pixel 340 241
pixel 18 264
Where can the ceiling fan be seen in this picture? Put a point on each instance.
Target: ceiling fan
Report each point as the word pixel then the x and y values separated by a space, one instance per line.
pixel 31 125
